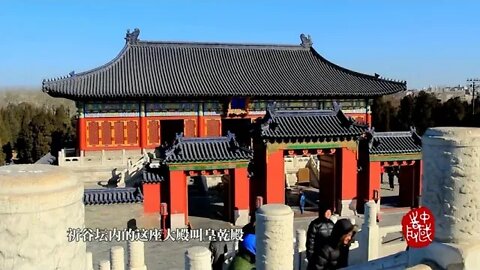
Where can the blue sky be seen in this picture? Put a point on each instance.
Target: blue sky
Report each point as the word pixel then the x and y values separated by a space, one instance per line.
pixel 423 42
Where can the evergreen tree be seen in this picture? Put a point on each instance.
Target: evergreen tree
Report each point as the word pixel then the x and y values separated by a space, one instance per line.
pixel 423 112
pixel 405 113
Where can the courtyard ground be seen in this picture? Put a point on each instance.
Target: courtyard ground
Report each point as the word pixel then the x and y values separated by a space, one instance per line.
pixel 170 254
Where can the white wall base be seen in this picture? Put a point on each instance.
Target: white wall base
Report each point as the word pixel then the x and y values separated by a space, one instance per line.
pixel 241 217
pixel 177 221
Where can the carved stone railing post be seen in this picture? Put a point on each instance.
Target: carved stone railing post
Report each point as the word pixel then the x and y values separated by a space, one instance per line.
pixel 371 230
pixel 300 248
pixel 117 258
pixel 104 265
pixel 42 215
pixel 136 256
pixel 451 182
pixel 103 158
pixel 198 258
pixel 274 232
pixel 89 261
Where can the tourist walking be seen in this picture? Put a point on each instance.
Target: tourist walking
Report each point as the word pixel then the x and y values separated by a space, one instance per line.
pixel 391 175
pixel 245 258
pixel 302 202
pixel 334 253
pixel 318 234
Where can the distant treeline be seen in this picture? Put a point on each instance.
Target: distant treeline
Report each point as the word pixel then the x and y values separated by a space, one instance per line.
pixel 422 111
pixel 32 131
pixel 32 96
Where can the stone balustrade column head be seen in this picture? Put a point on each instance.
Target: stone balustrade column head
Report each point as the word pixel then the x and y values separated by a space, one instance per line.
pixel 42 215
pixel 300 248
pixel 451 182
pixel 104 265
pixel 274 234
pixel 198 258
pixel 89 261
pixel 136 256
pixel 117 258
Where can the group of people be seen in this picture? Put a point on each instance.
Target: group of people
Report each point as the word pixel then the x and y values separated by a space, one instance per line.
pixel 327 246
pixel 328 243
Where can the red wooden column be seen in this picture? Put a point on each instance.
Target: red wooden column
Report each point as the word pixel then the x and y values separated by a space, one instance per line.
pixel 374 179
pixel 349 177
pixel 275 178
pixel 178 199
pixel 200 121
pixel 151 197
pixel 241 198
pixel 143 127
pixel 82 133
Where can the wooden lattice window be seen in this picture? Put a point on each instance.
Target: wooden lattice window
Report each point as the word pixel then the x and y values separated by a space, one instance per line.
pixel 132 131
pixel 213 128
pixel 119 133
pixel 106 133
pixel 93 130
pixel 189 128
pixel 154 132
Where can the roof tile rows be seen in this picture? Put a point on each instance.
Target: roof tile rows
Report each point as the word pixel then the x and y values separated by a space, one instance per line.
pixel 112 196
pixel 174 69
pixel 310 124
pixel 187 150
pixel 152 176
pixel 396 143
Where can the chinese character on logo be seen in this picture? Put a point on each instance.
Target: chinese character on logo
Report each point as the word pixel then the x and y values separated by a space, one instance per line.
pixel 418 227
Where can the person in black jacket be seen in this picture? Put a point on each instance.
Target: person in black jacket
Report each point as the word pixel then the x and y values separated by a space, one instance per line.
pixel 334 253
pixel 318 233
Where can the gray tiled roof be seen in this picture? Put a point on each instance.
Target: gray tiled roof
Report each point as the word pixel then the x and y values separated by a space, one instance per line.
pixel 310 124
pixel 399 142
pixel 112 196
pixel 152 176
pixel 146 69
pixel 187 150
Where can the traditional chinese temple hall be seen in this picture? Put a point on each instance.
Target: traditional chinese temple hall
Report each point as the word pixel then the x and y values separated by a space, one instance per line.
pixel 254 118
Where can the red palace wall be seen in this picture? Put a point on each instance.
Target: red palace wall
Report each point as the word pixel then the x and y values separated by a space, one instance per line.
pixel 113 133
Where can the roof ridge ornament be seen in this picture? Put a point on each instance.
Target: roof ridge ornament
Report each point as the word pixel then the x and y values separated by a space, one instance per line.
pixel 230 136
pixel 178 137
pixel 306 41
pixel 132 38
pixel 336 106
pixel 272 107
